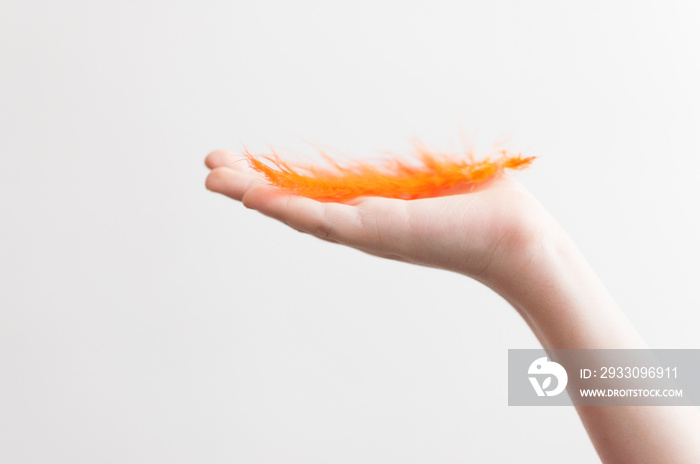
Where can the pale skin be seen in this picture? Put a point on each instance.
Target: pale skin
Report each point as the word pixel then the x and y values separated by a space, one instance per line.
pixel 500 235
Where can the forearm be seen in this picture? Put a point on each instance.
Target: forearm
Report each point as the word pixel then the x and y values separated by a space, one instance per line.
pixel 566 305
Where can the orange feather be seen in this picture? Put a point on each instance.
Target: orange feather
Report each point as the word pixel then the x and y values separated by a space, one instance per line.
pixel 432 175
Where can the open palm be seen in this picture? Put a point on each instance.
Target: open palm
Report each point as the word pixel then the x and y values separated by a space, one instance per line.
pixel 475 233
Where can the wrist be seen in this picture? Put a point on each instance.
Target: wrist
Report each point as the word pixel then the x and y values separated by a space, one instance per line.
pixel 549 282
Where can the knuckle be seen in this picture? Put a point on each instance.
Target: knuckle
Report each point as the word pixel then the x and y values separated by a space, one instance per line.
pixel 323 231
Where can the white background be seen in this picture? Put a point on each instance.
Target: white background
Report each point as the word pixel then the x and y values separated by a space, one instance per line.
pixel 144 319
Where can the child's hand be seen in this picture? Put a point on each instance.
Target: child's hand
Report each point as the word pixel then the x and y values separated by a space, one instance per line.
pixel 485 234
pixel 500 235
